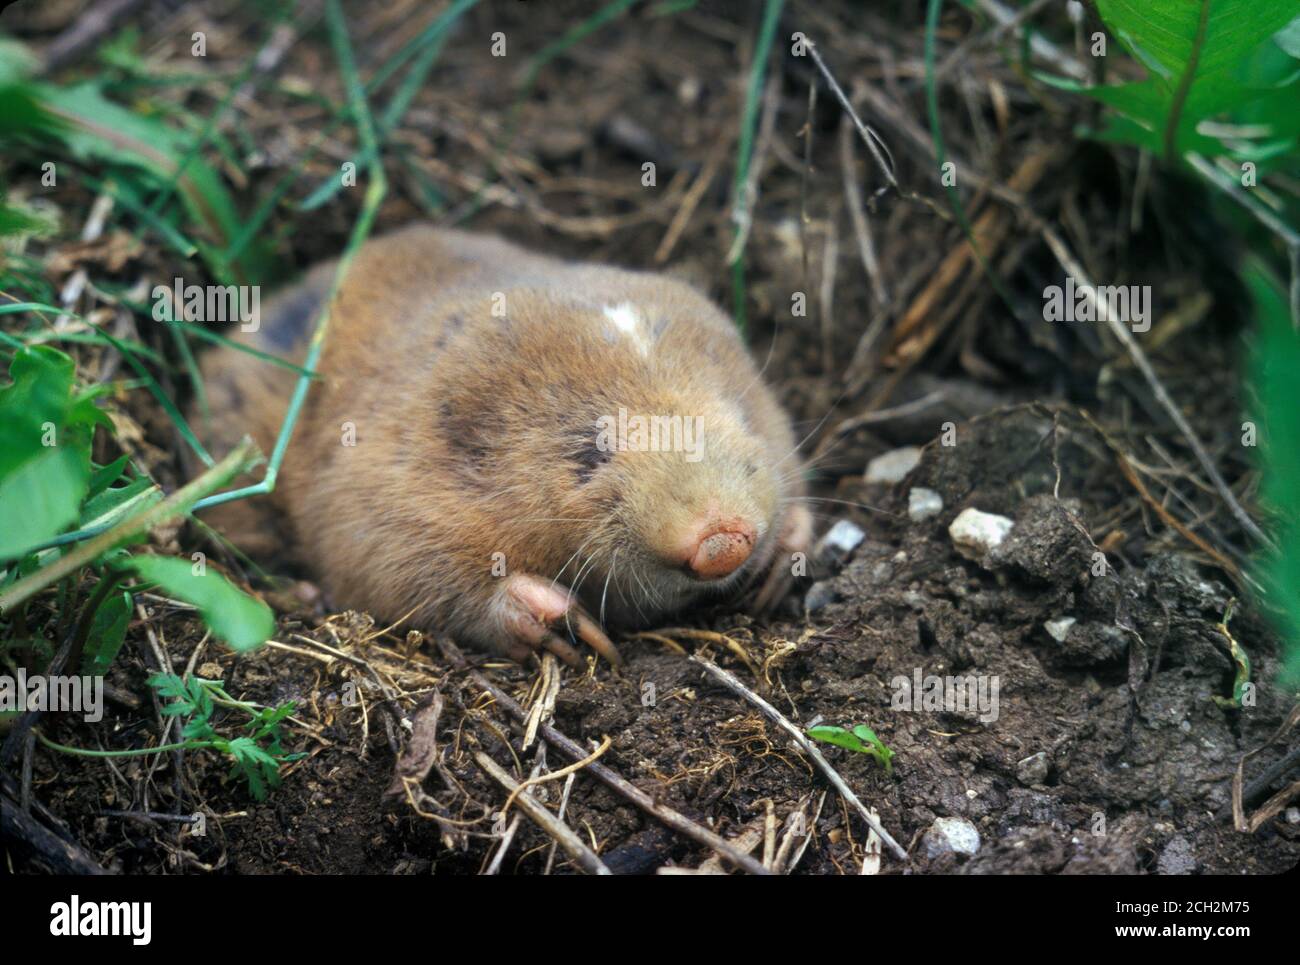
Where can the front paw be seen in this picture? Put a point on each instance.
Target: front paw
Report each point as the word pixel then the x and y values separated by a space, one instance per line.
pixel 530 607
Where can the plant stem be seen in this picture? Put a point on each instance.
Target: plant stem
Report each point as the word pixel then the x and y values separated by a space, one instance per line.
pixel 1185 86
pixel 374 196
pixel 176 504
pixel 139 752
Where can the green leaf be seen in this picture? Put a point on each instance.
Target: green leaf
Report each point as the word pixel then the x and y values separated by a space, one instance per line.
pixel 40 393
pixel 1166 36
pixel 21 117
pixel 234 616
pixel 15 220
pixel 197 729
pixel 45 436
pixel 107 632
pixel 192 698
pixel 1203 58
pixel 1275 375
pixel 200 696
pixel 839 737
pixel 861 739
pixel 103 505
pixel 257 767
pixel 876 746
pixel 267 722
pixel 167 685
pixel 113 505
pixel 105 476
pixel 42 497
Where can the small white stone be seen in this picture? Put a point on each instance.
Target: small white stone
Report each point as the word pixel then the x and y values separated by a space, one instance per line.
pixel 890 467
pixel 1058 630
pixel 975 533
pixel 923 503
pixel 843 538
pixel 1293 815
pixel 950 835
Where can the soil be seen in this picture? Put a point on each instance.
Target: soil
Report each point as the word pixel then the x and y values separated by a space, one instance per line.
pixel 1106 751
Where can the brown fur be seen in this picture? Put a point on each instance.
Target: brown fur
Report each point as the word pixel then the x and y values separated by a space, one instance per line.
pixel 474 434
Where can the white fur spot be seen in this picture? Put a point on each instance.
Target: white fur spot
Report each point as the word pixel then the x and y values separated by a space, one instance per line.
pixel 628 322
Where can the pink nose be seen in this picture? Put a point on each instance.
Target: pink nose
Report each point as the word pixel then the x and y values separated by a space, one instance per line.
pixel 722 549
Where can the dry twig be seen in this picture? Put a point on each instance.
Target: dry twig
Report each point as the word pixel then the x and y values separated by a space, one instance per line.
pixel 808 747
pixel 564 836
pixel 660 812
pixel 1125 337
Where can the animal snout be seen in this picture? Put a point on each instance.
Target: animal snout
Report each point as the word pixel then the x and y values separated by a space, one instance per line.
pixel 721 549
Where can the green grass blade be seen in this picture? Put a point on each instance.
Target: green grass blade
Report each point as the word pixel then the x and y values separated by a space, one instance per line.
pixel 745 151
pixel 427 46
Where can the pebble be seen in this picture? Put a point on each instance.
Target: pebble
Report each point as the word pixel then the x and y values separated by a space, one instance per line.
pixel 840 540
pixel 923 503
pixel 975 533
pixel 1059 629
pixel 1177 858
pixel 890 467
pixel 950 836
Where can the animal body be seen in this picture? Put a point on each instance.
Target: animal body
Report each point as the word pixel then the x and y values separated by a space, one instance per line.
pixel 511 448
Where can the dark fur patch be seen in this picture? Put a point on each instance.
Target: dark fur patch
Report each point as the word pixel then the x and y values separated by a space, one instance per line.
pixel 451 327
pixel 585 454
pixel 472 438
pixel 291 325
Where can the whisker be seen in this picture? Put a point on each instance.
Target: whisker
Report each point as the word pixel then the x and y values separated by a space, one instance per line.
pixel 605 593
pixel 585 570
pixel 845 502
pixel 771 353
pixel 636 575
pixel 811 433
pixel 582 546
pixel 596 529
